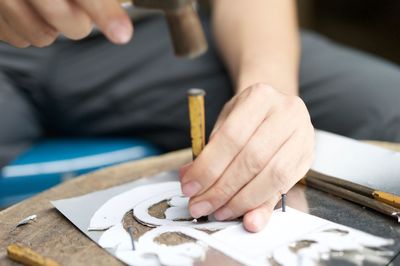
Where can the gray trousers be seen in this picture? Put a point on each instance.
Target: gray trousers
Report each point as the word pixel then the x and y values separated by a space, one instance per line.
pixel 95 89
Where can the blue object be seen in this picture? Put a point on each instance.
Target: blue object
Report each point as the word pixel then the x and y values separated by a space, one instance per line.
pixel 53 161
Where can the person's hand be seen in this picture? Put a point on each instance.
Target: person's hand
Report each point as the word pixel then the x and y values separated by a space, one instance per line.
pixel 262 144
pixel 39 22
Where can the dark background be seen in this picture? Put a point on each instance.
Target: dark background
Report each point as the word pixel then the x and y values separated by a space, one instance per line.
pixel 371 25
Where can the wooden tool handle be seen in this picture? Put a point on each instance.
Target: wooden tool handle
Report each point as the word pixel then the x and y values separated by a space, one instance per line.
pixel 186 32
pixel 381 196
pixel 28 257
pixel 352 196
pixel 387 198
pixel 363 190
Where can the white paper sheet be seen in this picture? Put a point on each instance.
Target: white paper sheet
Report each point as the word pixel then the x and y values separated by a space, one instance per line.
pixel 274 242
pixel 285 228
pixel 362 163
pixel 335 155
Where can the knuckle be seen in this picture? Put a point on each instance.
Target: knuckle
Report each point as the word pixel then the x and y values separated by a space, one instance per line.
pixel 290 102
pixel 297 104
pixel 45 38
pixel 52 10
pixel 250 92
pixel 83 30
pixel 228 106
pixel 244 95
pixel 241 204
pixel 221 194
pixel 253 162
pixel 264 90
pixel 235 207
pixel 86 30
pixel 41 43
pixel 229 134
pixel 259 90
pixel 210 176
pixel 14 40
pixel 271 202
pixel 280 174
pixel 260 86
pixel 19 43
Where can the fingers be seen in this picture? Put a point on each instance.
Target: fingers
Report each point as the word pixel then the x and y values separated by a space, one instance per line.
pixel 275 179
pixel 8 35
pixel 64 16
pixel 255 220
pixel 262 145
pixel 249 162
pixel 228 141
pixel 39 22
pixel 112 20
pixel 26 22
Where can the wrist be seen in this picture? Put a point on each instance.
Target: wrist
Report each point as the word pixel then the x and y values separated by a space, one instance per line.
pixel 280 77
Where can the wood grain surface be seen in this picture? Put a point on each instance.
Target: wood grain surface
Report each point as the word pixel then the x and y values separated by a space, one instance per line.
pixel 55 237
pixel 52 235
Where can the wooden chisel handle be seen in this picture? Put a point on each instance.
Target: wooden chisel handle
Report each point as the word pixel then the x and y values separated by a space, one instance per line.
pixel 197 120
pixel 387 198
pixel 27 256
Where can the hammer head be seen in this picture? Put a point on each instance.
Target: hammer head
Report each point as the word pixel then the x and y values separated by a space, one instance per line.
pixel 184 25
pixel 186 32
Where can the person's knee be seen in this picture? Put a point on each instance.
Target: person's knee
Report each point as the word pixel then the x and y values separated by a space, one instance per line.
pixel 379 109
pixel 386 124
pixel 363 103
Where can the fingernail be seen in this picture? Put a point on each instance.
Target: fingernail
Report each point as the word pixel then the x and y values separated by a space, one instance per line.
pixel 190 189
pixel 223 214
pixel 201 208
pixel 119 32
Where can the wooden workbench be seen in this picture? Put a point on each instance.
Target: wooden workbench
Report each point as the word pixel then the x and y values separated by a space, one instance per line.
pixel 54 236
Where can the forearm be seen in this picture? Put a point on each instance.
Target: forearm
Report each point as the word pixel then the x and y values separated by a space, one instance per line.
pixel 259 42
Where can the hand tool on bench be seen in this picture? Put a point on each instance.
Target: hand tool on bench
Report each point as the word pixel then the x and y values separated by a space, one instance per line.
pixel 197 125
pixel 385 197
pixel 27 256
pixel 359 194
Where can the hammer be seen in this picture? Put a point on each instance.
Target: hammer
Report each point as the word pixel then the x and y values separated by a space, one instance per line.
pixel 184 24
